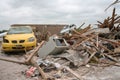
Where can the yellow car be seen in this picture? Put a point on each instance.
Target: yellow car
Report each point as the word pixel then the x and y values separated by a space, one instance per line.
pixel 19 38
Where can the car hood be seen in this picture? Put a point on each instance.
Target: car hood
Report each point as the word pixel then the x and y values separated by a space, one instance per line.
pixel 18 36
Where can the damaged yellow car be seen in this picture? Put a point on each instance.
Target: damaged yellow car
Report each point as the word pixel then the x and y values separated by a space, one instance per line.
pixel 19 38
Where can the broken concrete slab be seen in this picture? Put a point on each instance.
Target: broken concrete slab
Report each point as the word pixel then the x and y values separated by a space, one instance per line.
pixel 72 56
pixel 53 46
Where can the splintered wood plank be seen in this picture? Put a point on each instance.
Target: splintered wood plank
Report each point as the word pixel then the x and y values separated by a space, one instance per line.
pixel 84 41
pixel 74 73
pixel 87 60
pixel 113 42
pixel 34 52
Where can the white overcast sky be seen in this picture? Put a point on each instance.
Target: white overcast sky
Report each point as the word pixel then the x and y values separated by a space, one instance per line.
pixel 54 11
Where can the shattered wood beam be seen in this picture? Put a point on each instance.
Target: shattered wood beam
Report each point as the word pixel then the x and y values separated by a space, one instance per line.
pixel 106 23
pixel 34 52
pixel 97 42
pixel 118 21
pixel 118 25
pixel 110 57
pixel 39 69
pixel 106 54
pixel 84 41
pixel 118 17
pixel 105 48
pixel 92 55
pixel 72 72
pixel 30 60
pixel 115 2
pixel 110 18
pixel 79 34
pixel 115 43
pixel 81 25
pixel 84 30
pixel 117 64
pixel 100 22
pixel 112 22
pixel 89 51
pixel 14 61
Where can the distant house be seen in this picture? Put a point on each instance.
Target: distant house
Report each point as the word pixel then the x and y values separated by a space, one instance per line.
pixel 52 28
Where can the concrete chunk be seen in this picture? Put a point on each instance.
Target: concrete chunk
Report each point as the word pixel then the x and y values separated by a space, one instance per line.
pixel 53 46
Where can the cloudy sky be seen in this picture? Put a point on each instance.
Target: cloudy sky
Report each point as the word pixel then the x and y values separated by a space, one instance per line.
pixel 54 11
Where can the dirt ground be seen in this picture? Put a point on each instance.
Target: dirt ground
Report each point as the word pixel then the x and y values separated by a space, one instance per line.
pixel 13 71
pixel 107 73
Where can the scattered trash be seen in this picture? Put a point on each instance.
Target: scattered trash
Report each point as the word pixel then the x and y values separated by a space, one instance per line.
pixel 68 28
pixel 30 72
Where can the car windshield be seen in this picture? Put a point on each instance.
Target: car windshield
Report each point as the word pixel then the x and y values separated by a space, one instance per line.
pixel 20 30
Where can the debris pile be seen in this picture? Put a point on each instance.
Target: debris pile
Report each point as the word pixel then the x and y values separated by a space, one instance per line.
pixel 113 23
pixel 56 60
pixel 88 47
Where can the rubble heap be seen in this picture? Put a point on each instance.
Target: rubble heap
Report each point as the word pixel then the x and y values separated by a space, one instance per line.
pixel 87 47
